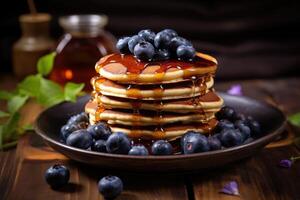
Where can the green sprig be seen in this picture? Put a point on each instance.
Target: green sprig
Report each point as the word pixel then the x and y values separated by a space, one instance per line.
pixel 294 119
pixel 45 92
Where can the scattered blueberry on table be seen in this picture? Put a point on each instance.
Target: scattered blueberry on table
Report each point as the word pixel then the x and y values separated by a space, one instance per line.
pixel 110 187
pixel 57 176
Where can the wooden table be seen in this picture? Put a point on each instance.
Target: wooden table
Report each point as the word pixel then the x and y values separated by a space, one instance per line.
pixel 258 177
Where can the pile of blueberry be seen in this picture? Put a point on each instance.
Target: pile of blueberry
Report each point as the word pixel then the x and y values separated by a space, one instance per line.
pixel 57 176
pixel 148 45
pixel 232 129
pixel 99 137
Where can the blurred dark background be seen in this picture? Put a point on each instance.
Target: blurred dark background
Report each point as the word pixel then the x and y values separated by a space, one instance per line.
pixel 251 39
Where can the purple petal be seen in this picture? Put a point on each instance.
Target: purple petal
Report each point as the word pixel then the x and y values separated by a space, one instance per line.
pixel 231 188
pixel 235 90
pixel 285 163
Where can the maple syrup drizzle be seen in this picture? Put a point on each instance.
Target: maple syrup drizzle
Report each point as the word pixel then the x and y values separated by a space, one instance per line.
pixel 100 109
pixel 134 67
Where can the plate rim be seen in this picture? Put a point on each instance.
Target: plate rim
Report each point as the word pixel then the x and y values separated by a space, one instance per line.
pixel 267 137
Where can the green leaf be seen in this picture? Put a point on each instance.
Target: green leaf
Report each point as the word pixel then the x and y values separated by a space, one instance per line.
pixel 72 90
pixel 5 95
pixel 27 127
pixel 3 114
pixel 45 64
pixel 30 85
pixel 9 129
pixel 16 103
pixel 50 93
pixel 294 119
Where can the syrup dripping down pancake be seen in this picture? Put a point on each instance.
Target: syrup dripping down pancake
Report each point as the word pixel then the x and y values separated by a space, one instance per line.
pixel 142 119
pixel 210 101
pixel 168 132
pixel 151 92
pixel 127 69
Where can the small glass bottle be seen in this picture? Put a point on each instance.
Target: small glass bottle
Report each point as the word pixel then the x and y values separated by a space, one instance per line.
pixel 34 43
pixel 82 45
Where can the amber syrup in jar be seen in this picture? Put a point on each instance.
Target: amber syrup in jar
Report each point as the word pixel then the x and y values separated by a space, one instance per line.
pixel 82 45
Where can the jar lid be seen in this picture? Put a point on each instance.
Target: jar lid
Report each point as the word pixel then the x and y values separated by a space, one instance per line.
pixel 83 22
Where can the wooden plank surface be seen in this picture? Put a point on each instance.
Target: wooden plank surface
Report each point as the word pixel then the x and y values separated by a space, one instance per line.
pixel 21 173
pixel 33 158
pixel 259 177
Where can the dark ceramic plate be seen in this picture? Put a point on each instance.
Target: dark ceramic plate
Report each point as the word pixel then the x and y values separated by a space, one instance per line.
pixel 271 119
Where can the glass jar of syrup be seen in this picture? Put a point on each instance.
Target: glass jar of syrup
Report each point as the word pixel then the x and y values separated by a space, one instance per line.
pixel 82 45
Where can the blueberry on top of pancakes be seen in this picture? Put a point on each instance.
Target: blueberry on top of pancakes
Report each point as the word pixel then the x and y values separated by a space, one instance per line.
pixel 150 46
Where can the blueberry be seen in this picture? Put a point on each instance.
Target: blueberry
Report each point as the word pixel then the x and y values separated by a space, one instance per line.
pixel 254 127
pixel 161 54
pixel 99 131
pixel 240 122
pixel 217 135
pixel 118 143
pixel 194 142
pixel 67 129
pixel 133 41
pixel 214 143
pixel 185 52
pixel 244 129
pixel 162 40
pixel 161 147
pixel 99 146
pixel 80 139
pixel 144 51
pixel 223 124
pixel 171 32
pixel 177 41
pixel 226 113
pixel 79 118
pixel 147 35
pixel 231 137
pixel 57 176
pixel 240 116
pixel 139 150
pixel 110 187
pixel 122 45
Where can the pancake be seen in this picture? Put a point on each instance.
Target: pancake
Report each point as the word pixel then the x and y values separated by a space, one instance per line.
pixel 127 69
pixel 155 99
pixel 163 91
pixel 210 102
pixel 126 118
pixel 170 132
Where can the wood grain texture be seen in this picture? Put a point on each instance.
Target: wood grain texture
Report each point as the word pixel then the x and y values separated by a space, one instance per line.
pixel 7 172
pixel 258 178
pixel 21 173
pixel 33 158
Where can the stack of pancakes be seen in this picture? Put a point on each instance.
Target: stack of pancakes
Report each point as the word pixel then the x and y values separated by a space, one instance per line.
pixel 154 100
